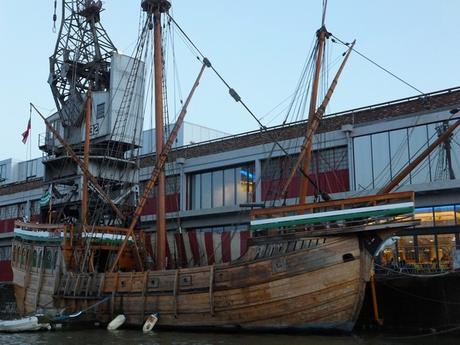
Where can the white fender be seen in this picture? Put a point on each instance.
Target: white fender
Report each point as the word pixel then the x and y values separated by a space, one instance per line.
pixel 116 323
pixel 150 323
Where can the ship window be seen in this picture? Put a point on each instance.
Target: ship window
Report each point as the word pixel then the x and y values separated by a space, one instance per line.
pixel 100 111
pixel 34 259
pixel 348 257
pixel 48 258
pixel 39 263
pixel 55 259
pixel 23 256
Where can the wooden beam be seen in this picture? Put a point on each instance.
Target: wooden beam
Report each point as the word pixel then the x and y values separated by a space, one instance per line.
pixel 407 170
pixel 312 126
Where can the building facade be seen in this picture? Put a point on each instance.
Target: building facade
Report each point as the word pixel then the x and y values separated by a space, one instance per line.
pixel 355 153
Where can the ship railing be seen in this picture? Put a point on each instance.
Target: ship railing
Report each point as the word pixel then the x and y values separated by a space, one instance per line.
pixel 392 270
pixel 341 204
pixel 396 208
pixel 111 235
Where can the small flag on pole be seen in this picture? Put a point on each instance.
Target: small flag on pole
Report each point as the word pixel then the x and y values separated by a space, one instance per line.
pixel 26 133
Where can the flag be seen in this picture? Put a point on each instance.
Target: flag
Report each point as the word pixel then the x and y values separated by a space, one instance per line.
pixel 25 135
pixel 45 199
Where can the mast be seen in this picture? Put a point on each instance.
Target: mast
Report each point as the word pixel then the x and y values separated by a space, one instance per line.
pixel 156 8
pixel 312 111
pixel 322 35
pixel 315 120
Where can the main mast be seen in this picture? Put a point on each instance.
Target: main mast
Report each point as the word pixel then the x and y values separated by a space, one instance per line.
pixel 312 111
pixel 156 8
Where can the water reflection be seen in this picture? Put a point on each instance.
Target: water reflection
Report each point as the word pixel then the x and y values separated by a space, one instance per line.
pixel 99 337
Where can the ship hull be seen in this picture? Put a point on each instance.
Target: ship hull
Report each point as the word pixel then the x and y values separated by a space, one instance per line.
pixel 305 284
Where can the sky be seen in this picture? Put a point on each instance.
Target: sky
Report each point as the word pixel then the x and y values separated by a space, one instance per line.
pixel 258 46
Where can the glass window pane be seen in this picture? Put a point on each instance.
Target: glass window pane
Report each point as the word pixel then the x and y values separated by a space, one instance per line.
pixel 362 159
pixel 406 248
pixel 245 184
pixel 446 247
pixel 418 141
pixel 380 159
pixel 241 185
pixel 457 213
pixel 217 189
pixel 229 187
pixel 434 156
pixel 388 255
pixel 426 249
pixel 399 152
pixel 425 215
pixel 206 190
pixel 340 158
pixel 196 192
pixel 444 215
pixel 455 153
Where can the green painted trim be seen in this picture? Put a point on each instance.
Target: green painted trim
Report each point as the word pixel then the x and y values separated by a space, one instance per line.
pixel 38 238
pixel 357 215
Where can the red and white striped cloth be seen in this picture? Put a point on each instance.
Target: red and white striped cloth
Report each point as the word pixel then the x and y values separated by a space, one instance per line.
pixel 202 247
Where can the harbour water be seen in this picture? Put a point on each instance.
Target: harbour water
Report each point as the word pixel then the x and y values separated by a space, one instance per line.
pixel 125 337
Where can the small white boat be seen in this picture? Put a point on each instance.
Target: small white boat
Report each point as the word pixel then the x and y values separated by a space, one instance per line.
pixel 23 325
pixel 150 323
pixel 116 323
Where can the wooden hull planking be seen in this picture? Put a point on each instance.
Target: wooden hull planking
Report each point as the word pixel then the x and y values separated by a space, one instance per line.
pixel 277 286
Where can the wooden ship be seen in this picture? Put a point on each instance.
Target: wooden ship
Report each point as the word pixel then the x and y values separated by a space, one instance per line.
pixel 306 265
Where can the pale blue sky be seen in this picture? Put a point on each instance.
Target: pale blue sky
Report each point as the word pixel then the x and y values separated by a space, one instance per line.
pixel 258 46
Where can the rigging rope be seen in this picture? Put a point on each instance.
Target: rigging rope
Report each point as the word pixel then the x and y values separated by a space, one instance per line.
pixel 237 98
pixel 378 65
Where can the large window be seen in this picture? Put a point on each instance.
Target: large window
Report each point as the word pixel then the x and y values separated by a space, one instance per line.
pixel 381 156
pixel 5 253
pixel 218 188
pixel 2 172
pixel 418 254
pixel 328 169
pixel 447 215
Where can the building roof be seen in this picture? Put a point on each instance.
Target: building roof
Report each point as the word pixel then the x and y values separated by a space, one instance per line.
pixel 398 108
pixel 438 100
